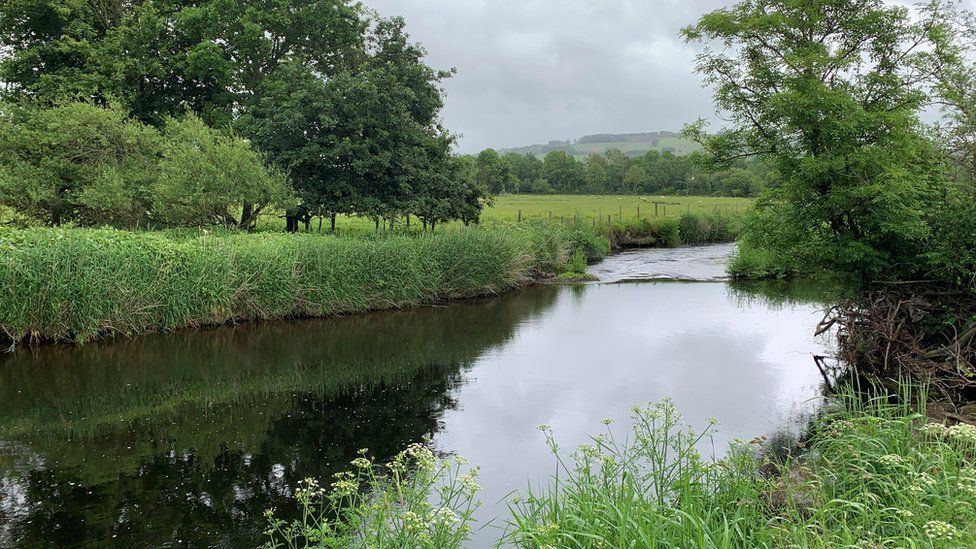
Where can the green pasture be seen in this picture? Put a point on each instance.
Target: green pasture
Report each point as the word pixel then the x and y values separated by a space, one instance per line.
pixel 592 209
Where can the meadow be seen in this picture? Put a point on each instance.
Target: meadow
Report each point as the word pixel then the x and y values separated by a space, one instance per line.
pixel 593 210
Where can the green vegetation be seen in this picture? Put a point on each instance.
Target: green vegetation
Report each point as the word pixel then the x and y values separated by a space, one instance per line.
pixel 614 172
pixel 167 114
pixel 864 190
pixel 875 473
pixel 63 284
pixel 689 229
pixel 394 510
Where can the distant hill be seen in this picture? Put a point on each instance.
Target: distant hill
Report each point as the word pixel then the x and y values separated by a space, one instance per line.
pixel 632 144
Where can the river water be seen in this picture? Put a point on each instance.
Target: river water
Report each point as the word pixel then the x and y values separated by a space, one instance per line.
pixel 185 439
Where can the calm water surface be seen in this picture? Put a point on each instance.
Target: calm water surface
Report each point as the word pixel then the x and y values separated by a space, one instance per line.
pixel 185 439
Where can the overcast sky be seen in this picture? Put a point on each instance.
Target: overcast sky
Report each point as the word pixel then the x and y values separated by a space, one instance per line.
pixel 534 70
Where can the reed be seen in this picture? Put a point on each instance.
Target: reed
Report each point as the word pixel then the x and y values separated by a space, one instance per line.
pixel 79 284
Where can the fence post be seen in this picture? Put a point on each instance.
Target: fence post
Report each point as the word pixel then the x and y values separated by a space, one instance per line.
pixel 655 209
pixel 520 216
pixel 608 219
pixel 638 212
pixel 665 210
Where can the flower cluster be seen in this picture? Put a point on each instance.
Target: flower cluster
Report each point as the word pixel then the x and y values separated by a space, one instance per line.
pixel 939 530
pixel 963 432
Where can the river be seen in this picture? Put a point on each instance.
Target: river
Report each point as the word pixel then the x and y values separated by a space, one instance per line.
pixel 184 439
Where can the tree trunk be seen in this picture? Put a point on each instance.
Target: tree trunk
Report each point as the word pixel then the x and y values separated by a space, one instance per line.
pixel 247 216
pixel 333 223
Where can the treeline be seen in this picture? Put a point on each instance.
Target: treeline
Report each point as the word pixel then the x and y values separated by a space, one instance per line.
pixel 174 114
pixel 613 172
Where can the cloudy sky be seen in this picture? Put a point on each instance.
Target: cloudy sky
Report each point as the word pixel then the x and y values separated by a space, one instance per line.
pixel 534 70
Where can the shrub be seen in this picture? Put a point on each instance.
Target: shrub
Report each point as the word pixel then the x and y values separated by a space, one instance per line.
pixel 755 262
pixel 77 163
pixel 204 174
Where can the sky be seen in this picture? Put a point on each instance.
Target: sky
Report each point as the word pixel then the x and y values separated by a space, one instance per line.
pixel 530 71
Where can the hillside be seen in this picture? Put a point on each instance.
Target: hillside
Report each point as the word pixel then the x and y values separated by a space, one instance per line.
pixel 633 144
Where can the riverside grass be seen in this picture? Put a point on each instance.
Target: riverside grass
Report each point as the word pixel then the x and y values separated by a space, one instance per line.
pixel 875 474
pixel 78 284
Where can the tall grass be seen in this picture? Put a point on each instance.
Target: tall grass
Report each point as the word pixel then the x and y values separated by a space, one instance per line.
pixel 75 284
pixel 875 474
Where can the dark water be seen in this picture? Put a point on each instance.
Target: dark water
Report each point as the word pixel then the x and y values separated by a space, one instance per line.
pixel 185 439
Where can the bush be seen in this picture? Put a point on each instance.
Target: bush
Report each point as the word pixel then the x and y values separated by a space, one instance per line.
pixel 644 233
pixel 204 174
pixel 708 228
pixel 77 163
pixel 757 263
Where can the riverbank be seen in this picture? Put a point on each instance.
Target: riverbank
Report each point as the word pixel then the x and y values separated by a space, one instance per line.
pixel 75 285
pixel 876 475
pixel 79 284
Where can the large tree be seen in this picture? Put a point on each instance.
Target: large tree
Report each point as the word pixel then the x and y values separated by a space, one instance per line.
pixel 366 140
pixel 828 91
pixel 165 57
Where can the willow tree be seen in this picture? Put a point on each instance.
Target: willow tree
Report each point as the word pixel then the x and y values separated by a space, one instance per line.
pixel 828 91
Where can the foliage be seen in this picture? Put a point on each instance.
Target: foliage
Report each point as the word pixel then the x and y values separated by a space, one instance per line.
pixel 613 172
pixel 367 140
pixel 162 58
pixel 828 93
pixel 204 173
pixel 757 262
pixel 77 163
pixel 876 475
pixel 75 285
pixel 417 500
pixel 88 165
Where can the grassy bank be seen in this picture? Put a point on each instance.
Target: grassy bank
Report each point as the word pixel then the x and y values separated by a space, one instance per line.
pixel 77 284
pixel 688 229
pixel 876 475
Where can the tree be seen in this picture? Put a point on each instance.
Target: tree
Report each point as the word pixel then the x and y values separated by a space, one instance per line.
pixel 828 91
pixel 563 172
pixel 204 173
pixel 495 173
pixel 163 58
pixel 527 169
pixel 366 140
pixel 77 163
pixel 597 174
pixel 635 178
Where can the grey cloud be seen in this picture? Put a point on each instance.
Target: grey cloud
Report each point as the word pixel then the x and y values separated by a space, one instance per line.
pixel 534 70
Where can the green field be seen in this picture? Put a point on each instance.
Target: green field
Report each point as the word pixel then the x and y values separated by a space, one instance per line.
pixel 588 208
pixel 598 207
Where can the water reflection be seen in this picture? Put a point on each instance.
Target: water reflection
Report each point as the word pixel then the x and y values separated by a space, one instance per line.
pixel 186 438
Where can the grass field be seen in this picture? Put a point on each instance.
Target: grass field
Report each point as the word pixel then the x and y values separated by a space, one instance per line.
pixel 590 209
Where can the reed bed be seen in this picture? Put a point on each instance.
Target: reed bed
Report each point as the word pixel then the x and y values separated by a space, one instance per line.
pixel 79 284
